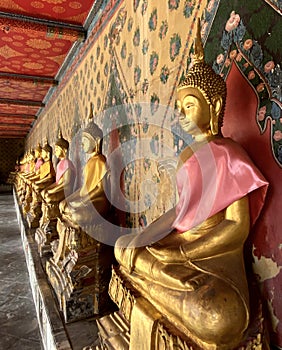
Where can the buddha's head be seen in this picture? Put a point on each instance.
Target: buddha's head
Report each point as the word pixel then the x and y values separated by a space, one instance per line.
pixel 61 146
pixel 201 96
pixel 31 155
pixel 46 151
pixel 92 136
pixel 38 151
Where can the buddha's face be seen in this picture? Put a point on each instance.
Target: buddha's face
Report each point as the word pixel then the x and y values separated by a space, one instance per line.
pixel 37 153
pixel 59 152
pixel 31 157
pixel 88 144
pixel 194 111
pixel 45 155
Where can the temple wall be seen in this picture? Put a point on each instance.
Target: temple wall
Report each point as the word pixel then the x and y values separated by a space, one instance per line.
pixel 134 57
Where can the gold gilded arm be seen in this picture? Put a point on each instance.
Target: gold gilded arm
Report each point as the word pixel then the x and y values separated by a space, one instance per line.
pixel 228 235
pixel 64 181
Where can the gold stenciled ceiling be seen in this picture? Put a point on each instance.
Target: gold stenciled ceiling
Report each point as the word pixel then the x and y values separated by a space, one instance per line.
pixel 36 39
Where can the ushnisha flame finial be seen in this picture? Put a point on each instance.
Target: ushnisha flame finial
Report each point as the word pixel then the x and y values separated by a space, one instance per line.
pixel 60 133
pixel 61 142
pixel 91 113
pixel 92 128
pixel 199 55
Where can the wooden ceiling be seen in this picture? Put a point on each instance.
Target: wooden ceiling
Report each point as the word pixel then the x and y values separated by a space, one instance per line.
pixel 37 38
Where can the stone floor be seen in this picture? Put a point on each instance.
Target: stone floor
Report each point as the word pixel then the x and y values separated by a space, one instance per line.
pixel 19 327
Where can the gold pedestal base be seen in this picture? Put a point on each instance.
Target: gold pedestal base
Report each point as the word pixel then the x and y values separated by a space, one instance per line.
pixel 34 215
pixel 79 273
pixel 44 236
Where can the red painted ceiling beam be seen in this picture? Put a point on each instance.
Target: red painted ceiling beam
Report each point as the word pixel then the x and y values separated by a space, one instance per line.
pixel 7 133
pixel 22 116
pixel 28 78
pixel 8 21
pixel 21 102
pixel 15 121
pixel 12 136
pixel 17 125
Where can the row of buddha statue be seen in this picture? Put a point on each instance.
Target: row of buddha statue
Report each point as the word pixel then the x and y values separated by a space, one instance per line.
pixel 181 282
pixel 77 265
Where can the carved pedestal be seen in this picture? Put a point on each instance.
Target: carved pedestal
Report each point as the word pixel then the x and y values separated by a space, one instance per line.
pixel 34 215
pixel 79 273
pixel 46 233
pixel 27 200
pixel 120 331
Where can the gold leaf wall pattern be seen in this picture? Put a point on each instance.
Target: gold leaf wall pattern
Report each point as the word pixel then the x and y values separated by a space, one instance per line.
pixel 147 43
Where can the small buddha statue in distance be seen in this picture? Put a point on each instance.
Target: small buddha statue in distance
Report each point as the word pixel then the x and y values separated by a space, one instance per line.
pixel 46 172
pixel 65 173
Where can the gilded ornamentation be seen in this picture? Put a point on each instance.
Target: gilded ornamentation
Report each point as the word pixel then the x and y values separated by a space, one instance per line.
pixel 37 4
pixel 54 2
pixel 75 5
pixel 59 9
pixel 175 46
pixel 154 61
pixel 153 21
pixel 7 52
pixel 39 43
pixel 163 29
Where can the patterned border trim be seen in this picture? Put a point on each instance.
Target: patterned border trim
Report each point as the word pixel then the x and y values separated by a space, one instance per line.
pixel 277 6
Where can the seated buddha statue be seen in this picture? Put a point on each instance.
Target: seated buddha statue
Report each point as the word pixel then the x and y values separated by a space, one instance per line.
pixel 89 203
pixel 189 263
pixel 27 176
pixel 43 178
pixel 46 172
pixel 54 193
pixel 38 161
pixel 65 174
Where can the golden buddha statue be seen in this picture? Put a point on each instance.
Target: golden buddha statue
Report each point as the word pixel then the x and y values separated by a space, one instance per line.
pixel 46 172
pixel 80 268
pixel 89 204
pixel 29 174
pixel 65 173
pixel 53 194
pixel 43 178
pixel 38 161
pixel 189 264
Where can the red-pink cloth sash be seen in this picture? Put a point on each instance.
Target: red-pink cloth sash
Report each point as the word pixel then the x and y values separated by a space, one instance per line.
pixel 62 167
pixel 38 163
pixel 215 176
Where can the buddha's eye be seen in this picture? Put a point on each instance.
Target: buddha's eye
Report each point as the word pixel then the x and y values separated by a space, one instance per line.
pixel 188 105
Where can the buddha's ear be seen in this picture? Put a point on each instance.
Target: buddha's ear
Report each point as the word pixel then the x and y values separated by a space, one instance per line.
pixel 215 109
